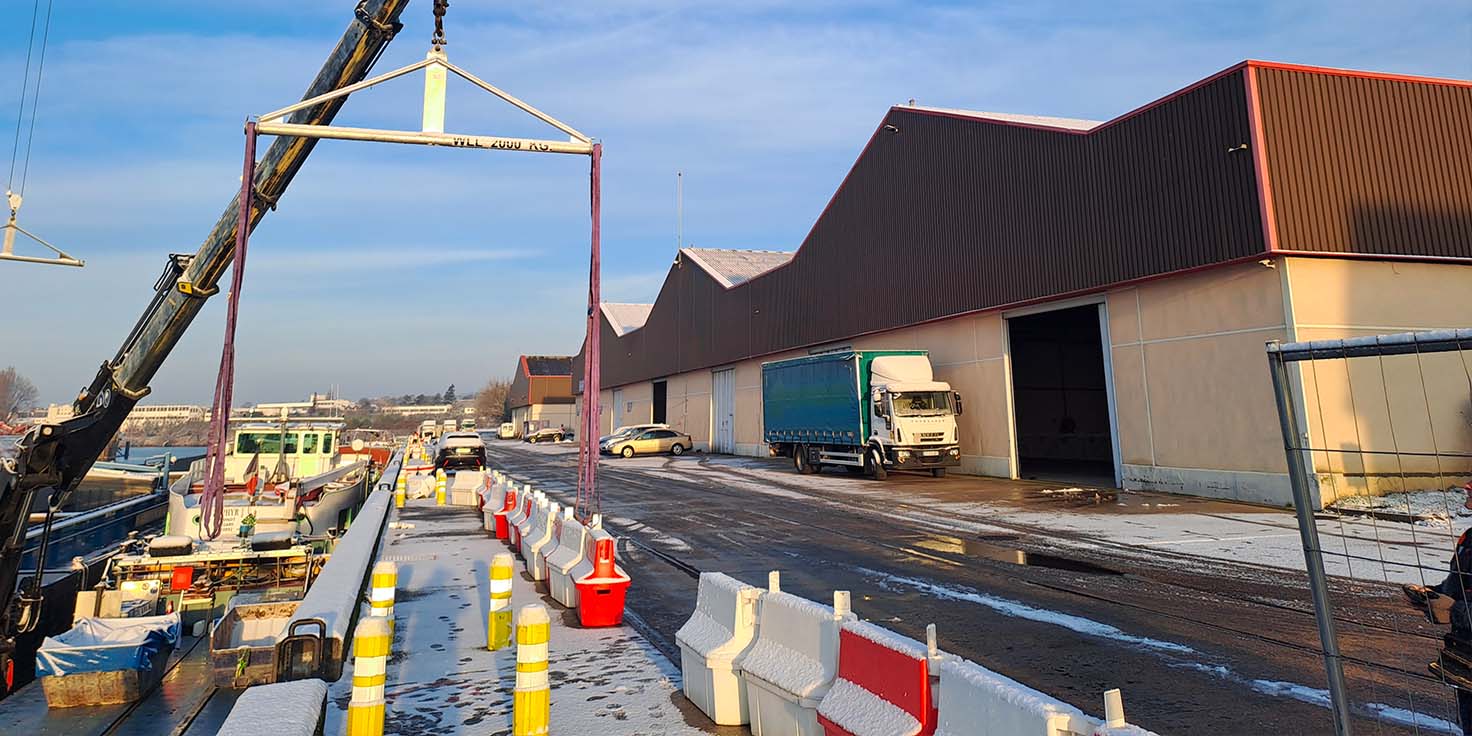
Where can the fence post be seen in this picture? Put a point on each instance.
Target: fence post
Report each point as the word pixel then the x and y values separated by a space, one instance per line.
pixel 1308 530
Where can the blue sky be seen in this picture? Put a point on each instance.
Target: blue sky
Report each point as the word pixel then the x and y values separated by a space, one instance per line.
pixel 396 269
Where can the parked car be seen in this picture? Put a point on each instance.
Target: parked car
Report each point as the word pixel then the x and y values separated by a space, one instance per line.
pixel 651 441
pixel 625 432
pixel 550 434
pixel 461 451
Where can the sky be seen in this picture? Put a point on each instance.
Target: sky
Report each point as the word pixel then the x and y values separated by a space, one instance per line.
pixel 403 269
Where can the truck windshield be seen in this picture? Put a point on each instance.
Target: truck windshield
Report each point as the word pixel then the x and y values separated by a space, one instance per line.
pixel 921 403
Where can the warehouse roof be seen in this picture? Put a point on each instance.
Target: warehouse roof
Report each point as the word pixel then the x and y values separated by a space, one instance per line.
pixel 732 267
pixel 1007 117
pixel 546 365
pixel 625 318
pixel 948 212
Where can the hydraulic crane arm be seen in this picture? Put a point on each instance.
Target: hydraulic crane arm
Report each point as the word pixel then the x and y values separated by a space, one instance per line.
pixel 52 459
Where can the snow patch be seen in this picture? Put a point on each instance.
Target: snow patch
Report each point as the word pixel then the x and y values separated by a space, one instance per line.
pixel 1008 607
pixel 863 713
pixel 887 639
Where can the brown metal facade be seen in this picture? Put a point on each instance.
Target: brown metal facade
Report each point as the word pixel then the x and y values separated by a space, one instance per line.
pixel 529 386
pixel 945 214
pixel 1368 165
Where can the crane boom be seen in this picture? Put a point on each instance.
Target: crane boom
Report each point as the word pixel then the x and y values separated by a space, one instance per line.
pixel 53 458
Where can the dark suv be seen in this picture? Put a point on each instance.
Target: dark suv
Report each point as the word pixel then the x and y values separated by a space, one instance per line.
pixel 461 451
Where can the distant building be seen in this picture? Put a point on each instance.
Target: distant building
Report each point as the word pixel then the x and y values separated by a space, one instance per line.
pixel 56 413
pixel 416 410
pixel 315 405
pixel 164 414
pixel 541 393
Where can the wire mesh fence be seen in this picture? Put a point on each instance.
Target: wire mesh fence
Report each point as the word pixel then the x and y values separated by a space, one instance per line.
pixel 1378 436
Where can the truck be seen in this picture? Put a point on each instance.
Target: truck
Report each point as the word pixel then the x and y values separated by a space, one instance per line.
pixel 869 410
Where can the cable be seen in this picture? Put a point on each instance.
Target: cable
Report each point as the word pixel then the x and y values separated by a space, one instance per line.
pixel 25 83
pixel 36 98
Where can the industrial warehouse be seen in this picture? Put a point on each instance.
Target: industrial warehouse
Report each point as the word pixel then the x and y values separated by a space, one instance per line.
pixel 540 396
pixel 1099 293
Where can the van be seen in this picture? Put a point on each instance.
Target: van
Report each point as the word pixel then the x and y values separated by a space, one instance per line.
pixel 507 431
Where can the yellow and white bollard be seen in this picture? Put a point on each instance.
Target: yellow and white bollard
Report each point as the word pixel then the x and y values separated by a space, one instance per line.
pixel 498 625
pixel 370 662
pixel 401 490
pixel 439 487
pixel 381 597
pixel 531 701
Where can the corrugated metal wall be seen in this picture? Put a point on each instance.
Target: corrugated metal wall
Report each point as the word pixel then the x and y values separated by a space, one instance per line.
pixel 951 215
pixel 1365 165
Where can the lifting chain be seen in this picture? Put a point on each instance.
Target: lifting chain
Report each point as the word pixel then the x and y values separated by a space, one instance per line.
pixel 440 6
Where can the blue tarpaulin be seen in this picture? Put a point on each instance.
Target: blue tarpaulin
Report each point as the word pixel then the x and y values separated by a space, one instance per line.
pixel 107 644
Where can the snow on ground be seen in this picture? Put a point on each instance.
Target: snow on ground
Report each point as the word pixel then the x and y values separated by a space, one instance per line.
pixel 1435 507
pixel 441 679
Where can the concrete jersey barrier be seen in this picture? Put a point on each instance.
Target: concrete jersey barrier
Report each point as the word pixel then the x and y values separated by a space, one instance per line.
pixel 975 701
pixel 333 597
pixel 717 633
pixel 792 663
pixel 280 709
pixel 883 685
pixel 560 564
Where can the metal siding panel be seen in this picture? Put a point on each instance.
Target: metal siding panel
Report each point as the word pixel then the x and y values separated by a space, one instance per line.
pixel 1367 165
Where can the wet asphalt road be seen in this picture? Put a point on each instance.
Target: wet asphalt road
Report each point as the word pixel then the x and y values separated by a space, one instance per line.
pixel 1195 646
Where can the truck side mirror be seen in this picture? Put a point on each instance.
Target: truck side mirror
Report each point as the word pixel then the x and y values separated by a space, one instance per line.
pixel 956 397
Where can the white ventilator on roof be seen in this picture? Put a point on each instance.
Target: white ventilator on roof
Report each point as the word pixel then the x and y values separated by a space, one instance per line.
pixel 733 267
pixel 625 318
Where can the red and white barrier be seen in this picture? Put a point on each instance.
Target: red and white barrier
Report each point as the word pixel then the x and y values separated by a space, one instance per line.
pixel 601 584
pixel 548 529
pixel 792 663
pixel 717 633
pixel 501 518
pixel 883 686
pixel 571 543
pixel 492 499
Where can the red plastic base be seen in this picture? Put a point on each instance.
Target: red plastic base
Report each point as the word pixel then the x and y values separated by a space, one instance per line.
pixel 601 604
pixel 501 527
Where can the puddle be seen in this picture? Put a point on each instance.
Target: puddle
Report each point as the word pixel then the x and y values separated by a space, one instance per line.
pixel 1011 555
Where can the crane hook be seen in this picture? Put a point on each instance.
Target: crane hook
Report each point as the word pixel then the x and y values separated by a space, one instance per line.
pixel 440 6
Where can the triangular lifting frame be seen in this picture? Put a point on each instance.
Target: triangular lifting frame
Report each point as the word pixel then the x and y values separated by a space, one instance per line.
pixel 432 132
pixel 7 241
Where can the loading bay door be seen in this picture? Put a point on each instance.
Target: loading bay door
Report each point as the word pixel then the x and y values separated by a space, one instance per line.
pixel 723 411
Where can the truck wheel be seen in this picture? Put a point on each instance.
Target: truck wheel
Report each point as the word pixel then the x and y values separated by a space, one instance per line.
pixel 800 460
pixel 875 461
pixel 938 472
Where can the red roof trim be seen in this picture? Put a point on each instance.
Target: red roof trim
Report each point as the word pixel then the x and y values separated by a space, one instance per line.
pixel 1260 163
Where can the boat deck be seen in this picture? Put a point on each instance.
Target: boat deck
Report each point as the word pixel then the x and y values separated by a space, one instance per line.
pixel 186 703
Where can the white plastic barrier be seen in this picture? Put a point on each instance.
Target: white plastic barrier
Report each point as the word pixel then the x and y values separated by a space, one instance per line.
pixel 792 664
pixel 523 521
pixel 466 487
pixel 541 552
pixel 976 701
pixel 493 497
pixel 569 555
pixel 718 632
pixel 538 535
pixel 280 709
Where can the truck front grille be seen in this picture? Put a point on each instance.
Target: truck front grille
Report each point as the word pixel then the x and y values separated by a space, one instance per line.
pixel 932 436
